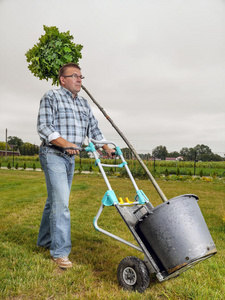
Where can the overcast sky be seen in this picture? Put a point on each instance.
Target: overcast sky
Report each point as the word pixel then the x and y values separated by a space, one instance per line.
pixel 156 67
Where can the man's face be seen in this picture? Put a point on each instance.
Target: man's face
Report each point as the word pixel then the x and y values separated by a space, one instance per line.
pixel 72 84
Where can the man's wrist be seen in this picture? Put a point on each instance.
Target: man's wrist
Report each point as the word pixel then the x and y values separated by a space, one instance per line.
pixel 53 136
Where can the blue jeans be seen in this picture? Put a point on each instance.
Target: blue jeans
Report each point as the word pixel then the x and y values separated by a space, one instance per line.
pixel 54 230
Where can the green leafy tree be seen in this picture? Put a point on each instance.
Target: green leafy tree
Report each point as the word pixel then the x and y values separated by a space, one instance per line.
pixel 174 154
pixel 199 152
pixel 188 153
pixel 29 149
pixel 14 140
pixel 184 152
pixel 2 146
pixel 53 50
pixel 202 149
pixel 127 153
pixel 217 157
pixel 160 152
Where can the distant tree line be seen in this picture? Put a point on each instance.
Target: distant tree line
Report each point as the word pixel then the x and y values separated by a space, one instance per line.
pixel 16 144
pixel 198 153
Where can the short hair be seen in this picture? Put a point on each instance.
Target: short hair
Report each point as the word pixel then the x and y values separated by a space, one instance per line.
pixel 64 67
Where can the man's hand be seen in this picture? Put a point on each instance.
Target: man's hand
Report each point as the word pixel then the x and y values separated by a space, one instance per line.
pixel 72 151
pixel 61 142
pixel 108 151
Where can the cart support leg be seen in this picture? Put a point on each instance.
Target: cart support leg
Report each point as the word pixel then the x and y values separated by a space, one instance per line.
pixel 95 223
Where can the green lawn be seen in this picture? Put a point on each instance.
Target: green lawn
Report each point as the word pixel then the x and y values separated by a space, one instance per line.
pixel 28 273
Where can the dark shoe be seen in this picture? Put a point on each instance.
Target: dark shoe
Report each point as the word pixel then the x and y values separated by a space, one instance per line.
pixel 62 262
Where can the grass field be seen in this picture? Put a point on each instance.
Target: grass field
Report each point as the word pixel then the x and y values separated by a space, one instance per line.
pixel 28 273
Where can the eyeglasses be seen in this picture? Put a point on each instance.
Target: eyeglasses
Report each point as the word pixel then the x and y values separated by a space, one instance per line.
pixel 75 76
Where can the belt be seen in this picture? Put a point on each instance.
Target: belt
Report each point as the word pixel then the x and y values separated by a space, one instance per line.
pixel 61 149
pixel 53 147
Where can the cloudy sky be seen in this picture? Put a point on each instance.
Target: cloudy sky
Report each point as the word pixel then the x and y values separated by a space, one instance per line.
pixel 156 67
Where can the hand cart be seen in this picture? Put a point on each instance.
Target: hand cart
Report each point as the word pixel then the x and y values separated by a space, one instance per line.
pixel 173 236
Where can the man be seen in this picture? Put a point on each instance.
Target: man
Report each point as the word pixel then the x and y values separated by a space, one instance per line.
pixel 64 120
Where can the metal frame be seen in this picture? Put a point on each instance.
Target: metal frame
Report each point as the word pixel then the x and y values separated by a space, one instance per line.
pixel 130 212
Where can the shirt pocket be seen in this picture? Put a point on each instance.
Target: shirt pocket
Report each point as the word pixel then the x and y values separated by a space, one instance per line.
pixel 84 116
pixel 81 121
pixel 64 116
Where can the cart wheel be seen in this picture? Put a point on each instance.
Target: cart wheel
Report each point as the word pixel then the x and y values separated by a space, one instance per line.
pixel 133 274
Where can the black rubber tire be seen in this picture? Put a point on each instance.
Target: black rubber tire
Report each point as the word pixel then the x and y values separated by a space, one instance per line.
pixel 133 274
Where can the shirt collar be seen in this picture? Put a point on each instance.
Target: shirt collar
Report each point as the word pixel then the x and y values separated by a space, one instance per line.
pixel 64 90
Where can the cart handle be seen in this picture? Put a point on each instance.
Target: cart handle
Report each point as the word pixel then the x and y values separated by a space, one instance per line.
pixel 64 150
pixel 102 142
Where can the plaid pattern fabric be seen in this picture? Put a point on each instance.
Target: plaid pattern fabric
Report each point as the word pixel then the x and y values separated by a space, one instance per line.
pixel 71 117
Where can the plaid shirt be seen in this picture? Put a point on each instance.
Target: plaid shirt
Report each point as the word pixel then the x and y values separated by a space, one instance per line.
pixel 71 117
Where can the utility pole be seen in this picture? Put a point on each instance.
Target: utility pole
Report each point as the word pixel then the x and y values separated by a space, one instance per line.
pixel 6 138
